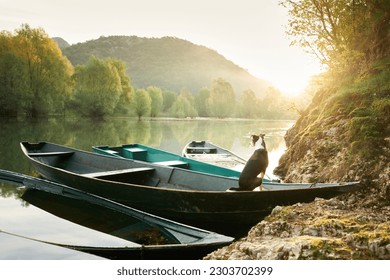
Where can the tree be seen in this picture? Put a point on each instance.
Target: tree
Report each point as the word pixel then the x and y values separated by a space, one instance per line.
pixel 127 89
pixel 34 71
pixel 183 105
pixel 341 33
pixel 98 87
pixel 248 105
pixel 13 77
pixel 201 104
pixel 222 99
pixel 142 103
pixel 156 96
pixel 169 98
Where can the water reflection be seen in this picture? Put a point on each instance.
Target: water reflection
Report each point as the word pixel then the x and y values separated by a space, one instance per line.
pixel 170 135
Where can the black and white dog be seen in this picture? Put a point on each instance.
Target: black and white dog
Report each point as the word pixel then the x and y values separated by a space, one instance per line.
pixel 257 164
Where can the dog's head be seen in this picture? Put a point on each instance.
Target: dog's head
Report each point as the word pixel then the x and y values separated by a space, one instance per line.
pixel 254 138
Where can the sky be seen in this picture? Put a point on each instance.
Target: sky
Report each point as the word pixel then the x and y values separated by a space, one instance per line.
pixel 250 33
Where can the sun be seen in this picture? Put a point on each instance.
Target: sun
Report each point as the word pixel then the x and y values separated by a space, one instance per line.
pixel 291 85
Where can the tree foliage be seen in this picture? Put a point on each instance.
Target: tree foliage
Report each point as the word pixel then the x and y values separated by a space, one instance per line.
pixel 248 105
pixel 13 78
pixel 201 102
pixel 169 98
pixel 33 71
pixel 222 99
pixel 142 103
pixel 341 32
pixel 156 96
pixel 183 105
pixel 98 87
pixel 127 89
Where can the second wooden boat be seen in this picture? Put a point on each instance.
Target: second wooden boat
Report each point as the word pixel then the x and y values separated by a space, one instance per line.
pixel 208 152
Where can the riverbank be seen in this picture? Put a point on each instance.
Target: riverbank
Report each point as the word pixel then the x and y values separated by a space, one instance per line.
pixel 343 135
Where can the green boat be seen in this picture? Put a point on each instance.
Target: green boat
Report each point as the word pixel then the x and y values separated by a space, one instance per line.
pixel 148 154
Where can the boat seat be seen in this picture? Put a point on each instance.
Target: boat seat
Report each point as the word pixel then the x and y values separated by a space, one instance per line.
pixel 138 171
pixel 202 150
pixel 173 163
pixel 50 154
pixel 135 153
pixel 111 152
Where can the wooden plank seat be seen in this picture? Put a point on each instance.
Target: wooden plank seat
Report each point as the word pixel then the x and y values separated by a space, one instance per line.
pixel 173 163
pixel 201 150
pixel 137 171
pixel 51 154
pixel 112 152
pixel 135 153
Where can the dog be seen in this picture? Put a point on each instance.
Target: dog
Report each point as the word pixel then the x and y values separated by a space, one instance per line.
pixel 257 164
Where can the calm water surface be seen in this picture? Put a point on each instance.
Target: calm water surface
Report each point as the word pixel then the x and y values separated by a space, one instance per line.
pixel 170 135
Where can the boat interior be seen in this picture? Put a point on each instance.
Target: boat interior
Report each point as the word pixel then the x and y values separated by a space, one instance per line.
pixel 138 152
pixel 200 147
pixel 125 170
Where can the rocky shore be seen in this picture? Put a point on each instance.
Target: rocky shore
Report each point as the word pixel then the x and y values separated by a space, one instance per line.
pixel 324 229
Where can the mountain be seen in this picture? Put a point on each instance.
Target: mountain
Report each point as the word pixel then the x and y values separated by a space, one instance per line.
pixel 61 42
pixel 169 63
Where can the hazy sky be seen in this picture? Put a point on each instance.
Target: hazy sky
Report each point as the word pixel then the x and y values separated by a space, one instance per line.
pixel 251 33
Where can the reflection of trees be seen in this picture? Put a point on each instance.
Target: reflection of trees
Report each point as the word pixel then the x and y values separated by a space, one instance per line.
pixel 185 131
pixel 139 132
pixel 9 190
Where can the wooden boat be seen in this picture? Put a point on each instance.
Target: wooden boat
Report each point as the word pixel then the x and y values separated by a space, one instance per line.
pixel 144 236
pixel 157 156
pixel 206 151
pixel 190 197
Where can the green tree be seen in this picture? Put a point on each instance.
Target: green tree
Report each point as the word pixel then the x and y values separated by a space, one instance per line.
pixel 49 72
pixel 156 96
pixel 13 77
pixel 127 89
pixel 97 87
pixel 248 104
pixel 38 75
pixel 201 102
pixel 169 98
pixel 142 103
pixel 341 33
pixel 222 99
pixel 183 105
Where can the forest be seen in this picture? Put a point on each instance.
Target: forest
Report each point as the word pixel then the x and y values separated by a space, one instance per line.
pixel 38 80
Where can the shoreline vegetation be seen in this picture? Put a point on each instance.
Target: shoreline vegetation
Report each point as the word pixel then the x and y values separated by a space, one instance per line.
pixel 37 80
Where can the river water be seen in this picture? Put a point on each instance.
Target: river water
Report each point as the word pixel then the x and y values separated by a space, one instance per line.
pixel 171 135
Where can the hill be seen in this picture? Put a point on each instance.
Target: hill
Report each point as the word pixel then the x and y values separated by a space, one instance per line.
pixel 61 42
pixel 169 63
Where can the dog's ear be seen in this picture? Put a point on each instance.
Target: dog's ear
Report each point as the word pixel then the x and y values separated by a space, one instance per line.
pixel 253 140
